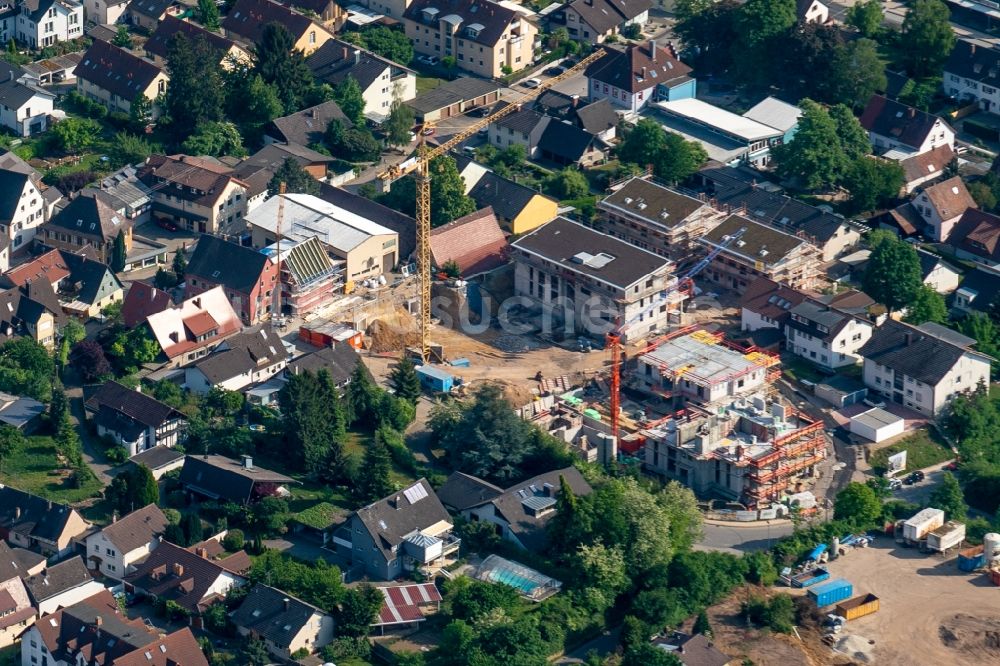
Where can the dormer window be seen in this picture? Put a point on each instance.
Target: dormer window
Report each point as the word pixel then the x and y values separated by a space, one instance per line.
pixel 430 13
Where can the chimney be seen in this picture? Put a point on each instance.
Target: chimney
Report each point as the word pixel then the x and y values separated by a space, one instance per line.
pixel 908 338
pixel 201 552
pixel 345 53
pixel 652 50
pixel 178 569
pixel 576 100
pixel 114 517
pixel 287 603
pixel 643 72
pixel 248 462
pixel 913 112
pixel 98 621
pixel 312 113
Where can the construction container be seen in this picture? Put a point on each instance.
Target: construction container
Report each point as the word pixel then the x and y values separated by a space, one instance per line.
pixel 329 334
pixel 947 536
pixel 994 575
pixel 434 379
pixel 830 593
pixel 460 363
pixel 971 559
pixel 859 606
pixel 808 578
pixel 917 527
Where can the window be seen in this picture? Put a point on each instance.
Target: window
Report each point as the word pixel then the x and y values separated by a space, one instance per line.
pixel 312 36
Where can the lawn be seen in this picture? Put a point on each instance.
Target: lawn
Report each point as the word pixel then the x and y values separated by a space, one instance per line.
pixel 34 469
pixel 798 369
pixel 923 449
pixel 425 83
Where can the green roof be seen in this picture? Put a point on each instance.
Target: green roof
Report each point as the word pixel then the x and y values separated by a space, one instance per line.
pixel 320 516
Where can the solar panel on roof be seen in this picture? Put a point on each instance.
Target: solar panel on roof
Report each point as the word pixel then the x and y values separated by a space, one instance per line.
pixel 415 493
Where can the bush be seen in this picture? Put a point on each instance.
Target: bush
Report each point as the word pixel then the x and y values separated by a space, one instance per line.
pixel 116 454
pixel 233 540
pixel 778 614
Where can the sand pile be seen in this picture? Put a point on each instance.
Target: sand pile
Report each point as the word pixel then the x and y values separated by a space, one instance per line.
pixel 856 647
pixel 392 333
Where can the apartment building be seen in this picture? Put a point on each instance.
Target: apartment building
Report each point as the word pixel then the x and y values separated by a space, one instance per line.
pixel 640 73
pixel 115 78
pixel 656 218
pixel 972 74
pixel 246 20
pixel 382 81
pixel 195 194
pixel 593 21
pixel 40 23
pixel 483 37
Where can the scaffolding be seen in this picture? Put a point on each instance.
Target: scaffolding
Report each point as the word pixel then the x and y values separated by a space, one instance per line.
pixel 707 359
pixel 793 452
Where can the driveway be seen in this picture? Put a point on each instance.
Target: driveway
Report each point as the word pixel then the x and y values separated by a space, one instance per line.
pixel 306 551
pixel 93 451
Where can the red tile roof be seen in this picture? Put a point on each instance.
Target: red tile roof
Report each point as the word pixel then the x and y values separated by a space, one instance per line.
pixel 141 301
pixel 49 266
pixel 475 242
pixel 201 323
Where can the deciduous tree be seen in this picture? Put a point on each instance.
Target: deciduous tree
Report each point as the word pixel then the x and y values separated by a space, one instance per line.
pixel 873 183
pixel 859 503
pixel 866 17
pixel 448 199
pixel 948 497
pixel 856 72
pixel 893 276
pixel 351 100
pixel 928 305
pixel 928 37
pixel 399 125
pixel 75 135
pixel 296 179
pixel 814 156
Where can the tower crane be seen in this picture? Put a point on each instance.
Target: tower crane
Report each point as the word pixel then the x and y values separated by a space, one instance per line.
pixel 420 166
pixel 614 337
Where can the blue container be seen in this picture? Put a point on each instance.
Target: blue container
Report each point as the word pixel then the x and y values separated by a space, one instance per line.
pixel 830 593
pixel 811 578
pixel 972 563
pixel 461 363
pixel 435 380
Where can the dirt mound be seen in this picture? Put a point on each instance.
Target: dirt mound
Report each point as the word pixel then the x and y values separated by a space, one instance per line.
pixel 975 635
pixel 392 334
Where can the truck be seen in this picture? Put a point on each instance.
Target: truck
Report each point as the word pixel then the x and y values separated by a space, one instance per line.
pixel 859 606
pixel 808 578
pixel 916 528
pixel 830 593
pixel 947 536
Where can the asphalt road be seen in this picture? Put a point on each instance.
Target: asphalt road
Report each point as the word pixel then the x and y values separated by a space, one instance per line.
pixel 742 539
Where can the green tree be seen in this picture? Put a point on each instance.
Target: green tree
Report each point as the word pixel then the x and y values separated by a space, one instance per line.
pixel 179 263
pixel 760 568
pixel 388 43
pixel 358 609
pixel 26 368
pixel 250 101
pixel 164 280
pixel 122 38
pixel 928 305
pixel 873 183
pixel 671 156
pixel 361 398
pixel 702 625
pixel 404 380
pixel 761 25
pixel 129 149
pixel 208 14
pixel 814 156
pixel 140 112
pixel 681 506
pixel 399 124
pixel 709 29
pixel 893 276
pixel 374 480
pixel 648 654
pixel 142 486
pixel 859 503
pixel 118 253
pixel 568 184
pixel 11 441
pixel 194 95
pixel 866 17
pixel 448 199
pixel 296 179
pixel 215 139
pixel 853 138
pixel 948 497
pixel 983 195
pixel 280 64
pixel 982 329
pixel 928 36
pixel 351 101
pixel 254 653
pixel 313 419
pixel 74 135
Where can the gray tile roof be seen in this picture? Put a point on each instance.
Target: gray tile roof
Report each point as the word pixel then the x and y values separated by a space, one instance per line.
pixel 462 491
pixel 232 265
pixel 597 117
pixel 57 579
pixel 16 562
pixel 518 503
pixel 506 197
pixel 116 70
pixel 340 361
pixel 391 519
pixel 307 126
pixel 249 351
pixel 452 92
pixel 156 457
pixel 760 242
pixel 221 477
pixel 492 18
pixel 138 528
pixel 31 515
pixel 925 355
pixel 273 614
pixel 655 203
pixel 139 407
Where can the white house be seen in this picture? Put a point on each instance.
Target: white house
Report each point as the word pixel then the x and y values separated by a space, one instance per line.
pixel 812 11
pixel 937 273
pixel 942 205
pixel 105 12
pixel 285 624
pixel 112 550
pixel 45 22
pixel 133 419
pixel 381 81
pixel 922 367
pixel 972 74
pixel 898 131
pixel 61 585
pixel 24 107
pixel 23 208
pixel 240 361
pixel 825 336
pixel 638 74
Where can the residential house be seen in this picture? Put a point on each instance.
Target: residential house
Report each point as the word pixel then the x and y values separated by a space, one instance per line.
pixel 249 277
pixel 142 300
pixel 246 20
pixel 937 273
pixel 775 113
pixel 979 290
pixel 463 491
pixel 976 237
pixel 16 612
pixel 257 171
pixel 340 360
pixel 812 11
pixel 23 209
pixel 21 412
pixel 147 14
pixel 972 74
pixel 95 631
pixel 310 280
pixel 367 249
pixel 640 73
pixel 159 42
pixel 24 107
pixel 284 623
pixel 382 81
pixel 743 190
pixel 195 327
pixel 240 361
pixel 330 14
pixel 766 304
pixel 593 21
pixel 699 650
pixel 522 128
pixel 925 167
pixel 824 335
pixel 483 37
pixel 31 522
pixel 61 585
pixel 941 206
pixel 175 574
pixel 656 218
pixel 521 513
pixel 196 194
pixel 159 460
pixel 115 78
pixel 897 130
pixel 105 12
pixel 409 530
pixel 88 220
pixel 585 281
pixel 33 311
pixel 218 477
pixel 42 23
pixel 922 367
pixel 90 287
pixel 134 420
pixel 761 250
pixel 518 208
pixel 305 127
pixel 565 144
pixel 454 98
pixel 597 118
pixel 115 549
pixel 474 243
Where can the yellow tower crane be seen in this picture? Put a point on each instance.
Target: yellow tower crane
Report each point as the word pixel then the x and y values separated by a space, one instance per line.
pixel 420 167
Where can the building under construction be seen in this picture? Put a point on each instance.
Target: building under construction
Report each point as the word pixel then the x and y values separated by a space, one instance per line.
pixel 694 365
pixel 751 450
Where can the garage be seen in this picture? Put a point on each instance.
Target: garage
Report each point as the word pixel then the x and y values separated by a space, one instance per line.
pixel 877 425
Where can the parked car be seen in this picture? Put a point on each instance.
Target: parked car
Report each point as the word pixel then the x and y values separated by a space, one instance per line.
pixel 484 131
pixel 895 484
pixel 166 224
pixel 917 476
pixel 531 83
pixel 555 71
pixel 469 150
pixel 874 402
pixel 427 131
pixel 433 60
